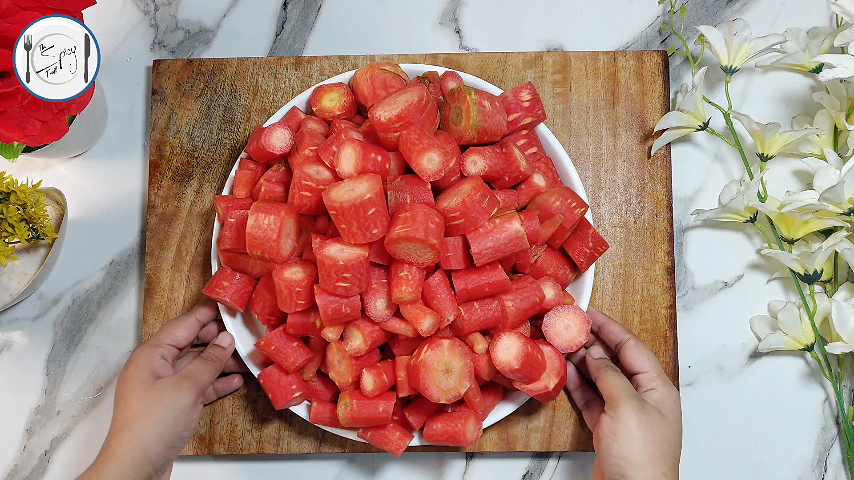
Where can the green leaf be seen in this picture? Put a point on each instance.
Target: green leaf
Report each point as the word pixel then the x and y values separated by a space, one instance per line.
pixel 671 50
pixel 11 151
pixel 664 28
pixel 682 11
pixel 661 2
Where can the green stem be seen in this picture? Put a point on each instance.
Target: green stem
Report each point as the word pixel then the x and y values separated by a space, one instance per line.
pixel 835 273
pixel 726 90
pixel 820 365
pixel 735 139
pixel 714 133
pixel 764 234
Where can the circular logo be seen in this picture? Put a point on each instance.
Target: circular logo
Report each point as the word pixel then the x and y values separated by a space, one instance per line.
pixel 57 58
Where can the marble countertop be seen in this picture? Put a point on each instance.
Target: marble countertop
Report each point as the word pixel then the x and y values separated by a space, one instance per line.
pixel 61 349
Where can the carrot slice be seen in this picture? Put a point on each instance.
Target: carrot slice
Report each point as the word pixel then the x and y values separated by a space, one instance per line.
pixel 442 369
pixel 567 327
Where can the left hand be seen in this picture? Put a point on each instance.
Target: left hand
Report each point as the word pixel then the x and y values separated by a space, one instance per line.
pixel 160 394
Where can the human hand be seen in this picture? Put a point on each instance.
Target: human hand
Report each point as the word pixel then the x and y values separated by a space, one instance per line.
pixel 160 394
pixel 631 406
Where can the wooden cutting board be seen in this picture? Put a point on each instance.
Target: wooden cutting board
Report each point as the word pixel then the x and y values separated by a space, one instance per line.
pixel 602 106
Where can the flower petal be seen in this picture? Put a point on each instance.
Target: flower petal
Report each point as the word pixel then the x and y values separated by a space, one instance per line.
pixel 777 342
pixel 716 41
pixel 842 317
pixel 763 325
pixel 668 136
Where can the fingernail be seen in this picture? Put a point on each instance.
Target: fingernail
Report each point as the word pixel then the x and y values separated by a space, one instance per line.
pixel 597 353
pixel 224 340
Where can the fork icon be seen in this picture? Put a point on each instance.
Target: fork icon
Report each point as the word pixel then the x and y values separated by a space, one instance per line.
pixel 28 46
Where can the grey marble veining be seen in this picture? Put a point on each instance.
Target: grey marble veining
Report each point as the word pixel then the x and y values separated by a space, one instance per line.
pixel 294 25
pixel 82 361
pixel 176 37
pixel 450 19
pixel 705 12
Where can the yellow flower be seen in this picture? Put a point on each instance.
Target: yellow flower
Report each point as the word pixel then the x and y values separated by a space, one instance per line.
pixel 734 44
pixel 768 139
pixel 689 115
pixel 793 225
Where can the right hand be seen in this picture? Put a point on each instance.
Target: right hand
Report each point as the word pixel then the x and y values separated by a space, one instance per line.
pixel 633 409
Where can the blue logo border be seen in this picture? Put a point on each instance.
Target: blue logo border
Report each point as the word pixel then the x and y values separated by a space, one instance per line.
pixel 97 67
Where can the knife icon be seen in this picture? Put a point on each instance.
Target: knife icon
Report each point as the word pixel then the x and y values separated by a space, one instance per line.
pixel 86 52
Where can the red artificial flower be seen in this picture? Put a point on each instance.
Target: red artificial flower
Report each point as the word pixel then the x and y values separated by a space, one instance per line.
pixel 23 117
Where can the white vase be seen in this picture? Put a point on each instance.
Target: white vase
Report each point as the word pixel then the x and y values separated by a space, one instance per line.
pixel 35 261
pixel 83 133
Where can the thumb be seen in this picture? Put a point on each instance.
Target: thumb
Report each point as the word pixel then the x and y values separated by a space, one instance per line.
pixel 614 387
pixel 205 368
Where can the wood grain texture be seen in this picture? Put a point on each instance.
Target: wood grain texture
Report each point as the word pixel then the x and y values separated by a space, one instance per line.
pixel 602 106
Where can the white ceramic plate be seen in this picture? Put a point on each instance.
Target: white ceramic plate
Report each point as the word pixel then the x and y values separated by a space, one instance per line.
pixel 246 328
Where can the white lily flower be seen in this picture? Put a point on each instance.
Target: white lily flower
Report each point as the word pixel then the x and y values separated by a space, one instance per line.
pixel 768 138
pixel 734 44
pixel 827 172
pixel 841 66
pixel 801 48
pixel 812 264
pixel 833 187
pixel 838 101
pixel 845 9
pixel 689 116
pixel 842 320
pixel 736 203
pixel 814 145
pixel 794 225
pixel 787 326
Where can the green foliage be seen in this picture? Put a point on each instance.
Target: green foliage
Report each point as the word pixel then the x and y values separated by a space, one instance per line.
pixel 23 216
pixel 11 151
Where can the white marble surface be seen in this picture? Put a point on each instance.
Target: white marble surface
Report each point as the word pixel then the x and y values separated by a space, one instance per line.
pixel 744 416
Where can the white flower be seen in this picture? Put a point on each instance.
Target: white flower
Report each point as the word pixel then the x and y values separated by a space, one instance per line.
pixel 735 203
pixel 842 320
pixel 734 44
pixel 793 225
pixel 787 327
pixel 811 264
pixel 827 172
pixel 801 48
pixel 689 115
pixel 845 9
pixel 814 145
pixel 769 140
pixel 842 66
pixel 833 187
pixel 838 101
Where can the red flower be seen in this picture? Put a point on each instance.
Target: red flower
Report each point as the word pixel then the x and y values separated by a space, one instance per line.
pixel 23 117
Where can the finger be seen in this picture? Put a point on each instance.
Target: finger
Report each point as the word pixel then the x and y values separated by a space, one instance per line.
pixel 180 332
pixel 634 356
pixel 614 387
pixel 209 332
pixel 578 358
pixel 660 393
pixel 222 387
pixel 585 398
pixel 210 363
pixel 233 365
